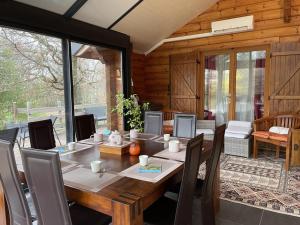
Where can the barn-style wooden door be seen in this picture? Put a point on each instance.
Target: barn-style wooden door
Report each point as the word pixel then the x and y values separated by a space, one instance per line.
pixel 184 82
pixel 284 81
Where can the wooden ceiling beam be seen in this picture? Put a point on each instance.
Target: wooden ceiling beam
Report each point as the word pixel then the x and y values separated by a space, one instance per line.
pixel 287 8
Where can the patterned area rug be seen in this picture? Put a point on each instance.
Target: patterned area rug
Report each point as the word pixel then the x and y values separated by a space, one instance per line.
pixel 261 182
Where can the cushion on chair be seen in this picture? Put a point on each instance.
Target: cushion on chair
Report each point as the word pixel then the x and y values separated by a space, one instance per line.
pixel 205 131
pixel 279 130
pixel 168 122
pixel 279 137
pixel 239 130
pixel 236 135
pixel 236 123
pixel 261 134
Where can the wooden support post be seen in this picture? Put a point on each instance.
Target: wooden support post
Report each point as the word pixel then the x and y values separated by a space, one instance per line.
pixel 287 10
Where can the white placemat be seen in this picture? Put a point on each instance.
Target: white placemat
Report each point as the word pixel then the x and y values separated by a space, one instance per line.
pixel 123 145
pixel 181 140
pixel 63 150
pixel 143 136
pixel 179 156
pixel 167 167
pixel 90 141
pixel 83 178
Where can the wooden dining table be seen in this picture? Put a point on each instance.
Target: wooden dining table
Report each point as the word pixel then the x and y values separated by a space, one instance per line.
pixel 127 198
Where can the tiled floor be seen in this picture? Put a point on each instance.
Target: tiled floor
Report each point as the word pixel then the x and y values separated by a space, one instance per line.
pixel 238 214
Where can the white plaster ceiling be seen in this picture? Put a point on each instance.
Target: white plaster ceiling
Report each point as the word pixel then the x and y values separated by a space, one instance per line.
pixel 56 6
pixel 103 13
pixel 147 24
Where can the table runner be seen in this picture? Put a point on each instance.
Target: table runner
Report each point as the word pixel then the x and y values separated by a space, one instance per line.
pixel 143 136
pixel 63 150
pixel 179 156
pixel 90 141
pixel 167 167
pixel 181 140
pixel 83 178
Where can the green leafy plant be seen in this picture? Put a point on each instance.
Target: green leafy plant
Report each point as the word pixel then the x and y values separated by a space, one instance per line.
pixel 132 111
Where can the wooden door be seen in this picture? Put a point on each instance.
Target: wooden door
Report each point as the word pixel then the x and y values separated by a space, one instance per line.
pixel 184 80
pixel 284 84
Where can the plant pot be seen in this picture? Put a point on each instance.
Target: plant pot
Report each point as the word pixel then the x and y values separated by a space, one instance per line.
pixel 133 133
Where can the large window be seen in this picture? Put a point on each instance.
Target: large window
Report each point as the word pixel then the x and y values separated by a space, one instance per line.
pixel 96 81
pixel 31 82
pixel 234 85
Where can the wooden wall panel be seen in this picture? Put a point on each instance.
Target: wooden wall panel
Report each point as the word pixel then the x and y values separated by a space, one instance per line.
pixel 269 27
pixel 137 74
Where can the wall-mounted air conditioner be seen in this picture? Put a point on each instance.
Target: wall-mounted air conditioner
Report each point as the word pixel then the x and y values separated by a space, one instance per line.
pixel 232 25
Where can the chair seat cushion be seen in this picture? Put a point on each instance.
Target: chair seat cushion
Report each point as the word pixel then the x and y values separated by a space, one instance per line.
pixel 279 130
pixel 168 122
pixel 235 135
pixel 205 131
pixel 279 137
pixel 239 130
pixel 261 134
pixel 162 212
pixel 83 216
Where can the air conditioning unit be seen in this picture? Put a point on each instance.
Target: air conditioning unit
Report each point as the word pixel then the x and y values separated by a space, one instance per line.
pixel 234 25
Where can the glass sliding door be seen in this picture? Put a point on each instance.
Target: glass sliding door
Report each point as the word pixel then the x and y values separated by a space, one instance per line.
pixel 31 82
pixel 97 79
pixel 216 95
pixel 250 74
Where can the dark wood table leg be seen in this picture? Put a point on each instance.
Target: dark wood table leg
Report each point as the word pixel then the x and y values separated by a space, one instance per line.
pixel 127 211
pixel 3 209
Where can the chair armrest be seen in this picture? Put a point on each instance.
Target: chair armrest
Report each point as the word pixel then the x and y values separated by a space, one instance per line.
pixel 262 124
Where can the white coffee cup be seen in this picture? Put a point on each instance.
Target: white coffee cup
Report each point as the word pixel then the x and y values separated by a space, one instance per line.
pixel 143 160
pixel 96 166
pixel 174 146
pixel 97 137
pixel 71 145
pixel 166 137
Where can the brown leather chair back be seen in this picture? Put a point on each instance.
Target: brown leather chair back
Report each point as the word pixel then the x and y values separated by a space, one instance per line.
pixel 191 167
pixel 41 134
pixel 18 208
pixel 84 126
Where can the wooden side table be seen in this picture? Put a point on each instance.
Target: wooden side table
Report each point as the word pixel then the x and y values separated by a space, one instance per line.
pixel 295 158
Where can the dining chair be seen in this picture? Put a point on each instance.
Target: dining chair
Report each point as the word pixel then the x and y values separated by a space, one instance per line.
pixel 54 119
pixel 18 207
pixel 46 185
pixel 153 122
pixel 41 134
pixel 184 125
pixel 168 212
pixel 204 188
pixel 9 135
pixel 84 126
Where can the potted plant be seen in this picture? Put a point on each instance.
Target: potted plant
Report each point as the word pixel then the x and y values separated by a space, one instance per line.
pixel 132 111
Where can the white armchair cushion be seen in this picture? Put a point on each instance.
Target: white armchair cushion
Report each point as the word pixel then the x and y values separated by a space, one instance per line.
pixel 279 130
pixel 239 130
pixel 168 122
pixel 235 135
pixel 205 131
pixel 236 123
